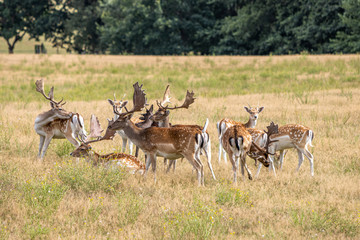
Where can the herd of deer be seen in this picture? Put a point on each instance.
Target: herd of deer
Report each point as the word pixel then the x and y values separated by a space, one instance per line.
pixel 155 136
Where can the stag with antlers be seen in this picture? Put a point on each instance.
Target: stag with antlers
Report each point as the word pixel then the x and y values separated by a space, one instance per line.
pixel 225 123
pixel 171 143
pixel 291 136
pixel 57 123
pixel 161 117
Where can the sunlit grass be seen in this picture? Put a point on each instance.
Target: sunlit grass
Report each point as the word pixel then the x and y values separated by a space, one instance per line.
pixel 62 198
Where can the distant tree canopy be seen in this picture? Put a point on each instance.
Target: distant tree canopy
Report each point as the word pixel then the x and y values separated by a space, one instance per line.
pixel 167 27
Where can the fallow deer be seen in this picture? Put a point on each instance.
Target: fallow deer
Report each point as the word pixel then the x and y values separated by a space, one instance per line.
pixel 225 123
pixel 171 143
pixel 292 136
pixel 238 142
pixel 162 118
pixel 57 123
pixel 118 159
pixel 119 105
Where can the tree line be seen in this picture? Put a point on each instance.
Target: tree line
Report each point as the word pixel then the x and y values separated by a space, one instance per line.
pixel 174 27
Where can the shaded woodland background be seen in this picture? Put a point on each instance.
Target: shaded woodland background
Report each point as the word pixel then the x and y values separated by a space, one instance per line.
pixel 185 27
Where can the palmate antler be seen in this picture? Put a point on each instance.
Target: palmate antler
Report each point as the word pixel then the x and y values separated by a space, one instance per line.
pixel 139 101
pixel 95 130
pixel 189 99
pixel 40 88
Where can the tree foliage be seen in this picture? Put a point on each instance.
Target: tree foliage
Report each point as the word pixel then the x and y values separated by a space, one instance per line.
pixel 166 27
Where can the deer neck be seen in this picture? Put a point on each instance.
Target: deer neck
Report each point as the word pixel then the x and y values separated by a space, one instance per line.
pixel 133 132
pixel 251 123
pixel 165 123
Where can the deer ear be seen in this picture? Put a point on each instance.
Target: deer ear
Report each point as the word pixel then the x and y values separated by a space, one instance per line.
pixel 247 109
pixel 151 108
pixel 124 104
pixel 111 102
pixel 260 109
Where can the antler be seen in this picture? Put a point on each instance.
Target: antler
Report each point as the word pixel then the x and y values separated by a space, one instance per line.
pixel 109 134
pixel 189 99
pixel 166 98
pixel 95 127
pixel 272 129
pixel 139 101
pixel 40 88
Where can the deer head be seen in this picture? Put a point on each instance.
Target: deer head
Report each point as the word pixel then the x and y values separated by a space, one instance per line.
pixel 56 107
pixel 139 102
pixel 254 112
pixel 164 112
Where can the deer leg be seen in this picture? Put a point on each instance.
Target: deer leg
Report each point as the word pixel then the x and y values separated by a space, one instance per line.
pixel 124 142
pixel 220 150
pixel 207 150
pixel 309 156
pixel 191 159
pixel 130 147
pixel 46 144
pixel 147 164
pixel 153 162
pixel 136 151
pixel 224 154
pixel 235 164
pixel 272 167
pixel 41 144
pixel 282 155
pixel 197 157
pixel 243 160
pixel 258 170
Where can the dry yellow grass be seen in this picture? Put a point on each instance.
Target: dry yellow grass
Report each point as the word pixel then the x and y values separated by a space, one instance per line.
pixel 289 206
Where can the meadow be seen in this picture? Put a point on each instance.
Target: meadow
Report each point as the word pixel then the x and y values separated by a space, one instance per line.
pixel 59 198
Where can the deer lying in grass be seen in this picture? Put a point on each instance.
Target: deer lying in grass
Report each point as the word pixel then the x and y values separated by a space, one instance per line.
pixel 291 136
pixel 225 123
pixel 57 123
pixel 161 117
pixel 171 143
pixel 123 160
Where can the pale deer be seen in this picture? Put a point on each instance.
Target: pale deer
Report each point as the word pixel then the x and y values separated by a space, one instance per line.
pixel 171 143
pixel 57 123
pixel 225 123
pixel 291 136
pixel 162 118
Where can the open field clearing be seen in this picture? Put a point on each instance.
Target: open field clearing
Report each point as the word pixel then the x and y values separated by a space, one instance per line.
pixel 62 199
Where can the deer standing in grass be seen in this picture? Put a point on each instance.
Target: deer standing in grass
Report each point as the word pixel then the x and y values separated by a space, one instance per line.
pixel 161 117
pixel 57 123
pixel 171 143
pixel 291 136
pixel 225 123
pixel 119 105
pixel 238 142
pixel 123 160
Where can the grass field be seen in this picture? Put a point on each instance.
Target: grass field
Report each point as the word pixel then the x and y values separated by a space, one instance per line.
pixel 61 199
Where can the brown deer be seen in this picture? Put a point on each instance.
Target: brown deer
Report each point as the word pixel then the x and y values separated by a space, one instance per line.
pixel 171 143
pixel 238 142
pixel 225 123
pixel 291 136
pixel 161 117
pixel 57 123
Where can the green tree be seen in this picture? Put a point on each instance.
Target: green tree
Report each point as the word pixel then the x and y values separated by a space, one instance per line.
pixel 348 40
pixel 18 17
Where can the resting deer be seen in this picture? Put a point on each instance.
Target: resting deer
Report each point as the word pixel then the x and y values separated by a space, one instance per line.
pixel 225 123
pixel 171 143
pixel 162 118
pixel 57 123
pixel 119 159
pixel 291 136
